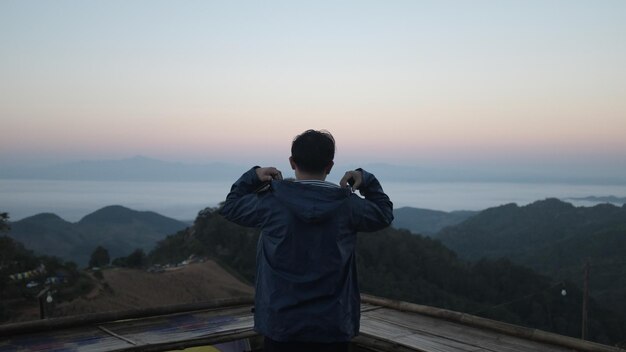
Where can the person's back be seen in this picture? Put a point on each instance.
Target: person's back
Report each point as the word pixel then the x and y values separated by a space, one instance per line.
pixel 306 283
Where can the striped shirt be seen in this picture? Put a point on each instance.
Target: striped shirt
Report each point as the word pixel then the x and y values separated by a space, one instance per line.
pixel 318 183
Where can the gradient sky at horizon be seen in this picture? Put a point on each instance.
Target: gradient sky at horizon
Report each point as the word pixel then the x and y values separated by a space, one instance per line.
pixel 403 82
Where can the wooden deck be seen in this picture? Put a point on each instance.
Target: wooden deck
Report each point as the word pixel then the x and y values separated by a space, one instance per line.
pixel 400 326
pixel 159 329
pixel 390 328
pixel 385 326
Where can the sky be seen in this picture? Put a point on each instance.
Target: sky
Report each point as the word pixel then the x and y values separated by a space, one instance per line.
pixel 493 84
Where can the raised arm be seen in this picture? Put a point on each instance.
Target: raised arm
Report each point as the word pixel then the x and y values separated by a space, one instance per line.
pixel 375 212
pixel 242 201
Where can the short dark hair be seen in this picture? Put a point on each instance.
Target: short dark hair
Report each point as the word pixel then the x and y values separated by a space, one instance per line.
pixel 312 151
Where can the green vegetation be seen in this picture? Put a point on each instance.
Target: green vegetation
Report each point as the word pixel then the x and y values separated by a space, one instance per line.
pixel 215 237
pixel 404 266
pixel 64 277
pixel 512 264
pixel 4 222
pixel 519 232
pixel 116 228
pixel 399 265
pixel 14 258
pixel 137 260
pixel 99 257
pixel 556 239
pixel 427 222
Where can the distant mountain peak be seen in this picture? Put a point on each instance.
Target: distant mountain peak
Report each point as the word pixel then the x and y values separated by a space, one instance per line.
pixel 47 217
pixel 550 203
pixel 426 221
pixel 141 157
pixel 603 199
pixel 503 208
pixel 110 214
pixel 136 168
pixel 117 228
pixel 114 207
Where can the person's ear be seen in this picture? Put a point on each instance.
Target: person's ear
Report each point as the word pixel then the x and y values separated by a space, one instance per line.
pixel 292 163
pixel 329 167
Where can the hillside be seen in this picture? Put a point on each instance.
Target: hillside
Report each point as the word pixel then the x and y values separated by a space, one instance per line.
pixel 124 289
pixel 118 229
pixel 554 238
pixel 48 234
pixel 519 233
pixel 425 221
pixel 399 265
pixel 22 277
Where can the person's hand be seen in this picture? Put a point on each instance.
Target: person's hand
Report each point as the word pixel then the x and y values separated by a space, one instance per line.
pixel 266 174
pixel 352 179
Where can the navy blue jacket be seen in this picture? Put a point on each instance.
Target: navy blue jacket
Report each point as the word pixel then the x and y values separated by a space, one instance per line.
pixel 306 282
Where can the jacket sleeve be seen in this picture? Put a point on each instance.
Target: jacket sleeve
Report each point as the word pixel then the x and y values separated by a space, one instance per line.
pixel 375 212
pixel 241 203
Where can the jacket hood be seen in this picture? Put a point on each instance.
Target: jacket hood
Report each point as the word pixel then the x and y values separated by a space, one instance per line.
pixel 310 203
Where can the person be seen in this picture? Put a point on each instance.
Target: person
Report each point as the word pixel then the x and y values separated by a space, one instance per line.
pixel 306 291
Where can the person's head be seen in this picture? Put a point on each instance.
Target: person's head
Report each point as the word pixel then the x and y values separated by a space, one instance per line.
pixel 313 152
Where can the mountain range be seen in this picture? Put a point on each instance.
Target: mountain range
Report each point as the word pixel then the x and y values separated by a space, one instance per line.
pixel 118 229
pixel 554 238
pixel 508 263
pixel 397 264
pixel 427 222
pixel 603 199
pixel 121 230
pixel 524 233
pixel 141 168
pixel 137 168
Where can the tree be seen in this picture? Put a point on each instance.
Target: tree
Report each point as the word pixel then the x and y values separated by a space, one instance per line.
pixel 137 259
pixel 99 257
pixel 4 222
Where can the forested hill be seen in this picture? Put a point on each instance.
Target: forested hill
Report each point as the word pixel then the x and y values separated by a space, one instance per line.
pixel 553 238
pixel 550 236
pixel 399 265
pixel 520 232
pixel 427 222
pixel 19 266
pixel 120 230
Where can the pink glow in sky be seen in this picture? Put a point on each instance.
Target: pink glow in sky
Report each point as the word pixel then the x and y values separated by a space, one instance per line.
pixel 397 82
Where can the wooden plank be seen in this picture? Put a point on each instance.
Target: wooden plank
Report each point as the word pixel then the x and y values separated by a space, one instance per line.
pixel 431 326
pixel 410 337
pixel 462 334
pixel 182 327
pixel 76 339
pixel 188 330
pixel 372 343
pixel 175 330
pixel 116 335
pixel 383 328
pixel 204 341
pixel 435 344
pixel 542 337
pixel 90 319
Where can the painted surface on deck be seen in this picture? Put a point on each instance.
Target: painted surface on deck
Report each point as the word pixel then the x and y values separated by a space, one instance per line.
pixel 124 334
pixel 391 330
